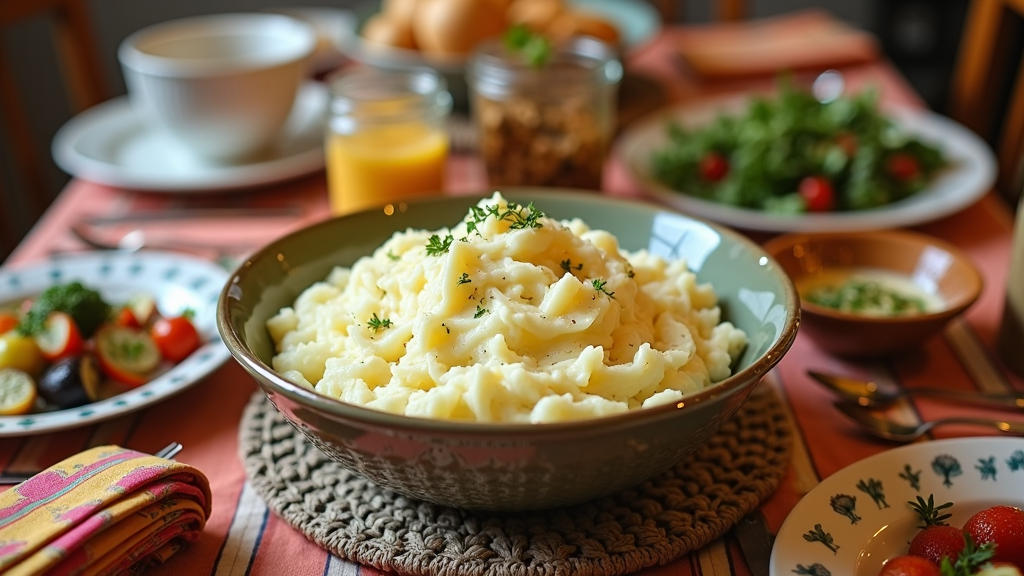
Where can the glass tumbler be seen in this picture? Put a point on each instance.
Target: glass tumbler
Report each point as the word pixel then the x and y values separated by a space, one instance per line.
pixel 386 137
pixel 547 125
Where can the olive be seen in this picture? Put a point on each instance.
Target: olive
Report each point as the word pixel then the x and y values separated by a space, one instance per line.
pixel 68 382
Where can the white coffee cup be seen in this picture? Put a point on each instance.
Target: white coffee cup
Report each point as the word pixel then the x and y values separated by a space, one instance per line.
pixel 222 85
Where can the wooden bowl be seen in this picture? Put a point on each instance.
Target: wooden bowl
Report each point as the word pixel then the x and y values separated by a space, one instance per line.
pixel 933 266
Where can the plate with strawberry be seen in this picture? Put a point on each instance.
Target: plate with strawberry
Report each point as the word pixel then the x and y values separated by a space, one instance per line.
pixel 905 511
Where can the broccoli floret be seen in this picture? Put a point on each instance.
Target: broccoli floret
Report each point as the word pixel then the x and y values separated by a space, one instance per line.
pixel 85 306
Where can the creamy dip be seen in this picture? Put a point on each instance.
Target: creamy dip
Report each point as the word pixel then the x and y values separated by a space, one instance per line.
pixel 869 292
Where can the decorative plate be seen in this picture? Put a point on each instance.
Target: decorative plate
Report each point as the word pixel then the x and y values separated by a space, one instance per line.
pixel 175 281
pixel 971 176
pixel 860 517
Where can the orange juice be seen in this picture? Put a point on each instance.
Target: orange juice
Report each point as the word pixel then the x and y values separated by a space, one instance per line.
pixel 384 163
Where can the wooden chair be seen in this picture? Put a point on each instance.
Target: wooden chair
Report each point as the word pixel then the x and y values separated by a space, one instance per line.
pixel 987 92
pixel 83 76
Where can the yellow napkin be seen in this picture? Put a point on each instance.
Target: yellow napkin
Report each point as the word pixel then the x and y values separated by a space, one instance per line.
pixel 107 510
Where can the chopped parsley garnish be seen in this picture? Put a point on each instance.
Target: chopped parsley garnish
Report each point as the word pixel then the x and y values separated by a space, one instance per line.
pixel 513 213
pixel 392 255
pixel 436 246
pixel 568 267
pixel 599 285
pixel 464 279
pixel 519 222
pixel 480 311
pixel 379 324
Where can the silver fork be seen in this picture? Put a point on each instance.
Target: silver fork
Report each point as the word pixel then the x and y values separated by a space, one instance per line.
pixel 136 240
pixel 168 452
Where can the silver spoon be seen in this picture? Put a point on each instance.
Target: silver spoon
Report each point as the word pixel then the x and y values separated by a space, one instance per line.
pixel 869 395
pixel 168 452
pixel 890 430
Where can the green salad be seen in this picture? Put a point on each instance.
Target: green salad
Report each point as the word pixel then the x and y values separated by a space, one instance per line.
pixel 790 154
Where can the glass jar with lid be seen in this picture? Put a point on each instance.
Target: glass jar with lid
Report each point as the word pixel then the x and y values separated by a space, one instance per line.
pixel 387 139
pixel 549 124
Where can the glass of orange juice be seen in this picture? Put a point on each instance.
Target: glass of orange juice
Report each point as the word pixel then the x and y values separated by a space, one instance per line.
pixel 386 139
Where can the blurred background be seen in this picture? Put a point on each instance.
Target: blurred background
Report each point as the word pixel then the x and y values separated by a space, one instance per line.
pixel 919 36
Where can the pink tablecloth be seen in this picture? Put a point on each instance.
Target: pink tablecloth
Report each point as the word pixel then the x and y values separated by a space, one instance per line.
pixel 242 537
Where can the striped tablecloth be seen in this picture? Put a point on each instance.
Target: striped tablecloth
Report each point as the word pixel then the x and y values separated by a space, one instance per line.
pixel 243 538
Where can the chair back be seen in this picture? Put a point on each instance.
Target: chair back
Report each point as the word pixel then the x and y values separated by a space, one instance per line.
pixel 987 92
pixel 78 56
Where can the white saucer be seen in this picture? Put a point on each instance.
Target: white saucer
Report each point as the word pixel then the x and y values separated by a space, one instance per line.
pixel 110 145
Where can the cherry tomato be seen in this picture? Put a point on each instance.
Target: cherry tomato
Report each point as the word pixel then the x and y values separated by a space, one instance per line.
pixel 903 167
pixel 125 317
pixel 8 322
pixel 713 167
pixel 817 192
pixel 22 353
pixel 60 337
pixel 848 142
pixel 175 337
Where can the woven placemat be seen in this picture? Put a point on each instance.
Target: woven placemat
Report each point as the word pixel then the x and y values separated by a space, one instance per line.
pixel 673 513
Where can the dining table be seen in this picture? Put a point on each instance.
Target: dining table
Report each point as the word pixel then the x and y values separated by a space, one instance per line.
pixel 244 536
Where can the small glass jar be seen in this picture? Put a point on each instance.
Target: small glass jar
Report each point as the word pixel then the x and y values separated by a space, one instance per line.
pixel 386 138
pixel 550 125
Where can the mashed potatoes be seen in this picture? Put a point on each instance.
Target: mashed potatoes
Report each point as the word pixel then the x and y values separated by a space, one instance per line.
pixel 507 317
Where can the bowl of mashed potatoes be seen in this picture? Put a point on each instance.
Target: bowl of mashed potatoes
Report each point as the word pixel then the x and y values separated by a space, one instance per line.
pixel 520 350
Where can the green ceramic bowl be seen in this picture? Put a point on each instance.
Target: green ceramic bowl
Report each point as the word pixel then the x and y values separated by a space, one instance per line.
pixel 512 466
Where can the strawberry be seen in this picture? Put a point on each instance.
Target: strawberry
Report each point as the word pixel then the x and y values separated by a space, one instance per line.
pixel 1004 526
pixel 936 542
pixel 909 566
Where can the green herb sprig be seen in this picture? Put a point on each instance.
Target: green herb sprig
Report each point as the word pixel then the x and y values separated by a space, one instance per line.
pixel 437 246
pixel 599 285
pixel 568 267
pixel 535 48
pixel 378 324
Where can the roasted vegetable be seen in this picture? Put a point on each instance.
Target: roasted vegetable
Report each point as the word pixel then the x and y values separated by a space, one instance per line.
pixel 67 383
pixel 84 305
pixel 17 392
pixel 127 355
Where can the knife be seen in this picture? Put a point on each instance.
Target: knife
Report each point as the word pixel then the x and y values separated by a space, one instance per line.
pixel 194 213
pixel 756 541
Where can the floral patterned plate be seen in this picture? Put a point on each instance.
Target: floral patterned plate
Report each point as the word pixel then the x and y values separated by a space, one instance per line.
pixel 175 281
pixel 859 517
